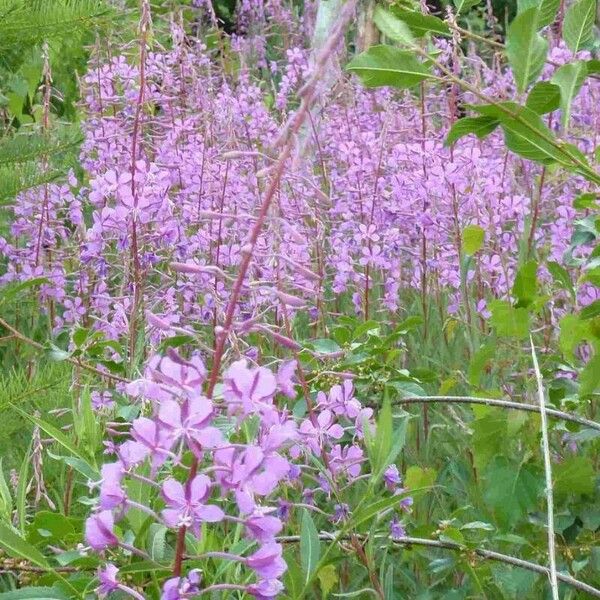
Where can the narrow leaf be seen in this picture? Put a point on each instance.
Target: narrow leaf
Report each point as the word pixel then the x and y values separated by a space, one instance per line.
pixel 310 546
pixel 385 65
pixel 578 25
pixel 17 547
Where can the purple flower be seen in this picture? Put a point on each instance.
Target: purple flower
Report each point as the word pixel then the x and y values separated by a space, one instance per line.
pixel 263 527
pixel 285 378
pixel 252 389
pixel 190 422
pixel 392 478
pixel 265 589
pixel 317 435
pixel 177 372
pixel 267 561
pixel 112 493
pixel 346 460
pixel 341 512
pixel 186 504
pixel 182 588
pixel 101 400
pixel 397 530
pixel 99 530
pixel 108 580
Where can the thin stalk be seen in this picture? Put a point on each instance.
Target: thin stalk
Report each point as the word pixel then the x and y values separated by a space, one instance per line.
pixel 551 412
pixel 548 473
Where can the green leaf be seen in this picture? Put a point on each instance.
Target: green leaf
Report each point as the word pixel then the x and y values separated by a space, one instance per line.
pixel 17 547
pixel 547 12
pixel 586 201
pixel 525 286
pixel 490 431
pixel 385 65
pixel 388 584
pixel 543 98
pixel 508 320
pixel 463 6
pixel 569 78
pixel 310 545
pixel 561 277
pixel 526 49
pixel 510 490
pixel 34 593
pixel 381 442
pixel 157 542
pixel 574 475
pixel 573 331
pixel 589 378
pixel 421 24
pixel 6 502
pixel 480 126
pixel 590 311
pixel 328 579
pixel 473 237
pixel 578 25
pixel 418 477
pixel 10 291
pixel 480 360
pixel 392 27
pixel 325 346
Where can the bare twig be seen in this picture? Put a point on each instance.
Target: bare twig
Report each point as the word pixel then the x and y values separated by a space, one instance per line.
pixel 551 412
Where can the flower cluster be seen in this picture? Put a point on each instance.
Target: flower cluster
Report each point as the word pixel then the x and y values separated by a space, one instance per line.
pixel 231 479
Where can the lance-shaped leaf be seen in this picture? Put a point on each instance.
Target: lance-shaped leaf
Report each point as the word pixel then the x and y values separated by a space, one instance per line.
pixel 420 24
pixel 547 10
pixel 569 78
pixel 578 25
pixel 310 546
pixel 385 65
pixel 480 126
pixel 543 98
pixel 526 49
pixel 392 27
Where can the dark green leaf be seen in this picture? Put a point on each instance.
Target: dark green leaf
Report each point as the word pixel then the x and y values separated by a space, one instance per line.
pixel 392 27
pixel 543 98
pixel 17 547
pixel 421 24
pixel 578 25
pixel 508 320
pixel 574 475
pixel 526 49
pixel 480 126
pixel 590 311
pixel 385 65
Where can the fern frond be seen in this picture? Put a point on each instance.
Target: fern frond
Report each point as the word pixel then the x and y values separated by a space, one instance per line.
pixel 31 21
pixel 29 147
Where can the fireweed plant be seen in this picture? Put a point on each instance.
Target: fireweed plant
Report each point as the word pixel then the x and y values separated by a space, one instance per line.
pixel 232 196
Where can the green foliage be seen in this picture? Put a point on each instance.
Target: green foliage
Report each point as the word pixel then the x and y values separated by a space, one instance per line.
pixel 385 65
pixel 526 49
pixel 569 78
pixel 578 24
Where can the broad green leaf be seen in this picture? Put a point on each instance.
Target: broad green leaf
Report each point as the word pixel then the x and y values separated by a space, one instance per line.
pixel 569 78
pixel 490 430
pixel 480 126
pixel 510 490
pixel 325 346
pixel 157 542
pixel 589 378
pixel 392 27
pixel 590 311
pixel 328 579
pixel 586 201
pixel 525 286
pixel 473 237
pixel 526 49
pixel 508 320
pixel 480 360
pixel 578 25
pixel 547 12
pixel 543 98
pixel 418 477
pixel 421 24
pixel 385 65
pixel 573 331
pixel 17 547
pixel 34 593
pixel 574 475
pixel 310 545
pixel 561 277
